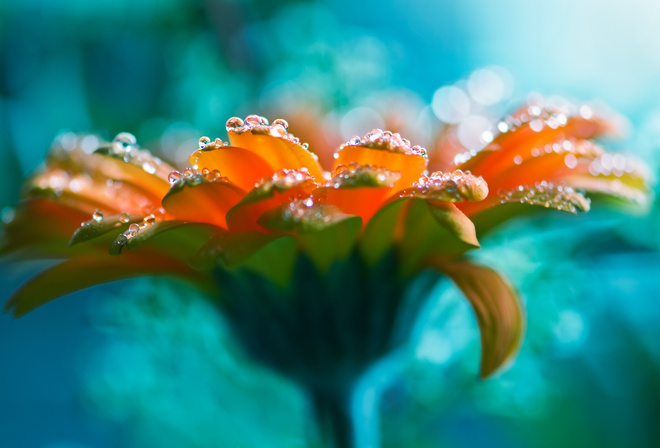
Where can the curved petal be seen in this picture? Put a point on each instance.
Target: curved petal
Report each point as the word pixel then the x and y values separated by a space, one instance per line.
pixel 384 149
pixel 499 313
pixel 243 167
pixel 200 200
pixel 279 149
pixel 358 189
pixel 283 187
pixel 82 272
pixel 324 232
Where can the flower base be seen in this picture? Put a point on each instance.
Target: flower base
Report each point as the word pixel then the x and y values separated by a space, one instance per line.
pixel 326 330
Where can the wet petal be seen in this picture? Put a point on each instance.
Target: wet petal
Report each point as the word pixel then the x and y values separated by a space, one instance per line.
pixel 534 129
pixel 101 225
pixel 202 198
pixel 178 239
pixel 358 190
pixel 384 149
pixel 272 143
pixel 243 167
pixel 499 313
pixel 455 186
pixel 324 232
pixel 283 187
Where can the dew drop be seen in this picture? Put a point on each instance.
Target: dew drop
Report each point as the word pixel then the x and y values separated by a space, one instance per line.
pixel 203 141
pixel 133 228
pixel 188 173
pixel 97 215
pixel 281 122
pixel 305 145
pixel 194 157
pixel 124 218
pixel 355 141
pixel 233 123
pixel 125 138
pixel 174 177
pixel 518 160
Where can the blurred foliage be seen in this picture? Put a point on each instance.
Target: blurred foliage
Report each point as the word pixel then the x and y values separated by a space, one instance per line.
pixel 163 370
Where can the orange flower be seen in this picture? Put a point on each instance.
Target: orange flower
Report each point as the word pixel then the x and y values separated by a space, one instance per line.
pixel 263 203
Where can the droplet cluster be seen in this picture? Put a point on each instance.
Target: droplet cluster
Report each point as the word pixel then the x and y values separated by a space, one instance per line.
pixel 306 214
pixel 260 125
pixel 388 141
pixel 453 186
pixel 538 116
pixel 617 165
pixel 548 195
pixel 191 176
pixel 356 176
pixel 285 179
pixel 124 146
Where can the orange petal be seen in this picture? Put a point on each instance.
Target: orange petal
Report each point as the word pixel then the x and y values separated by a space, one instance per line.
pixel 359 190
pixel 283 187
pixel 243 167
pixel 198 199
pixel 384 149
pixel 533 130
pixel 272 143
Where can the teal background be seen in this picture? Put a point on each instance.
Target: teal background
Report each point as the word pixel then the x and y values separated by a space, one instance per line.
pixel 137 364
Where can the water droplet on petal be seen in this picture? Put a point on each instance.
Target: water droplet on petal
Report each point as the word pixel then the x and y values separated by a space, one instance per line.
pixel 97 215
pixel 174 177
pixel 281 122
pixel 203 141
pixel 124 218
pixel 233 123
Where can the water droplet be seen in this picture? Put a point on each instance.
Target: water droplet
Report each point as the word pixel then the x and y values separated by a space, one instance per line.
pixel 255 120
pixel 124 218
pixel 125 138
pixel 570 160
pixel 188 173
pixel 233 123
pixel 355 140
pixel 281 122
pixel 149 219
pixel 305 145
pixel 194 157
pixel 518 160
pixel 174 177
pixel 97 215
pixel 203 141
pixel 133 228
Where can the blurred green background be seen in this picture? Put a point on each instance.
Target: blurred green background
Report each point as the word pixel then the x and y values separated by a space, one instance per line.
pixel 139 364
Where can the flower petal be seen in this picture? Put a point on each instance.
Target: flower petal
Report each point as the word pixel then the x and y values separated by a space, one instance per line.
pixel 418 227
pixel 200 200
pixel 324 232
pixel 276 147
pixel 511 203
pixel 30 235
pixel 358 189
pixel 82 272
pixel 243 167
pixel 499 313
pixel 386 150
pixel 534 129
pixel 283 187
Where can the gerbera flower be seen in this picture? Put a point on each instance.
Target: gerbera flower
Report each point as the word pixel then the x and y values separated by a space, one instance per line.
pixel 320 273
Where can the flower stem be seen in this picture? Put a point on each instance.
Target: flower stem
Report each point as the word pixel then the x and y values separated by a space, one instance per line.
pixel 347 417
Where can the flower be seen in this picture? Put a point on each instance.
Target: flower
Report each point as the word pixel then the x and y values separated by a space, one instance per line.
pixel 313 268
